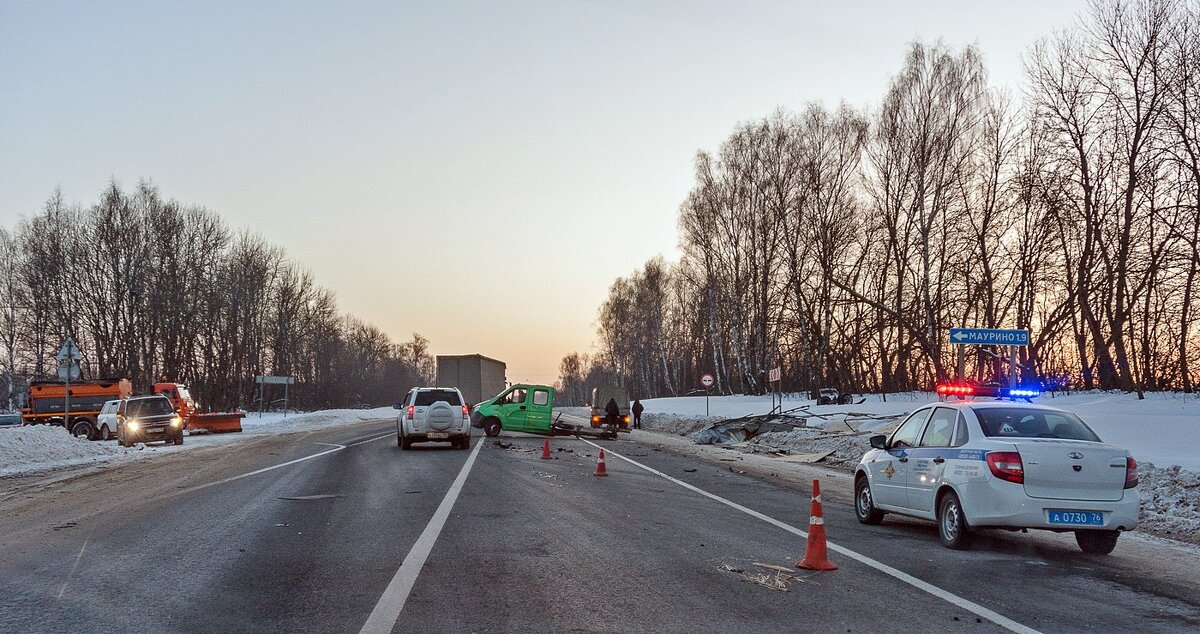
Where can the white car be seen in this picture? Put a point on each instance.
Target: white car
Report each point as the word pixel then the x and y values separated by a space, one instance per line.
pixel 977 464
pixel 434 414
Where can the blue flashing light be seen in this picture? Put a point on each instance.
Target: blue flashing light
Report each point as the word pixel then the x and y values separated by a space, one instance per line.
pixel 1022 393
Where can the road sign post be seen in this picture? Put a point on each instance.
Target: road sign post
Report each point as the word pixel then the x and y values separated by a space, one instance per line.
pixel 775 377
pixel 285 381
pixel 68 354
pixel 707 381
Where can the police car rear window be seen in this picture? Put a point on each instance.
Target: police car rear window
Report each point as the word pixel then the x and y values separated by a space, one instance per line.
pixel 1018 422
pixel 429 397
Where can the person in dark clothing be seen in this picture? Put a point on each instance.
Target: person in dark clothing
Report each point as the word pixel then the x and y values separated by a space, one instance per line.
pixel 614 412
pixel 637 413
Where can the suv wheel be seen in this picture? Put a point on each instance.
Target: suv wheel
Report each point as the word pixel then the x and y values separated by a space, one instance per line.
pixel 105 434
pixel 405 443
pixel 464 442
pixel 953 528
pixel 491 427
pixel 1097 542
pixel 864 504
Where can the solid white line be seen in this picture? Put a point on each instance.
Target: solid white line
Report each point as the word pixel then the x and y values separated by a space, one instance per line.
pixel 945 595
pixel 363 442
pixel 263 470
pixel 387 611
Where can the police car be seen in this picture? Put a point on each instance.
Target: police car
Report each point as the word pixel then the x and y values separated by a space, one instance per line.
pixel 974 463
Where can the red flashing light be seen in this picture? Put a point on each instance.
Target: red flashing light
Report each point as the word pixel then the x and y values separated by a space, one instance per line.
pixel 1131 472
pixel 1006 465
pixel 955 390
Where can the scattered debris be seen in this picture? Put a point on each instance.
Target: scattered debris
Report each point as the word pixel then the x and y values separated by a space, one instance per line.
pixel 689 470
pixel 732 470
pixel 806 457
pixel 281 524
pixel 503 444
pixel 768 576
pixel 67 525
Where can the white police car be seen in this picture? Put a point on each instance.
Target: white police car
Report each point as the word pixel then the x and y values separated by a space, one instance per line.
pixel 976 464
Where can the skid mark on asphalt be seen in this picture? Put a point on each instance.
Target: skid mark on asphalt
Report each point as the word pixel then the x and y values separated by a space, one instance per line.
pixel 945 595
pixel 387 611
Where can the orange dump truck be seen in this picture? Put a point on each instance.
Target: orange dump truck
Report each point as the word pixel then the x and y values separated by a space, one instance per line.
pixel 48 402
pixel 188 410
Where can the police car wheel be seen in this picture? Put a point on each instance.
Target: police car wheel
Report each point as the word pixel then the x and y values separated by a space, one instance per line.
pixel 1097 542
pixel 864 504
pixel 953 528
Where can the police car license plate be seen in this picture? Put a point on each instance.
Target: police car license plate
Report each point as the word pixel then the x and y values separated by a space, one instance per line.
pixel 437 435
pixel 1075 518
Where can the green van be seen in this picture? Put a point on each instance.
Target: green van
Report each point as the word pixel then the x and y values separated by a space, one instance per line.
pixel 521 407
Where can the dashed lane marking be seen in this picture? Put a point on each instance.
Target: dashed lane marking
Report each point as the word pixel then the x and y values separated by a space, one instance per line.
pixel 946 595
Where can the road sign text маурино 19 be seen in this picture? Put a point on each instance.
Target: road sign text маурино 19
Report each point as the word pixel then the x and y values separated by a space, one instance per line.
pixel 989 336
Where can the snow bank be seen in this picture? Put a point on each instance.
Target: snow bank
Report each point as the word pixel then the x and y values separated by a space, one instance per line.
pixel 26 450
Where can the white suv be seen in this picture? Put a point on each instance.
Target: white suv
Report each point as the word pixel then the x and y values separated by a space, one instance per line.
pixel 434 413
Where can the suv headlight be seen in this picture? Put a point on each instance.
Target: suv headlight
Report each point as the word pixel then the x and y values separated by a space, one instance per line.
pixel 132 425
pixel 176 421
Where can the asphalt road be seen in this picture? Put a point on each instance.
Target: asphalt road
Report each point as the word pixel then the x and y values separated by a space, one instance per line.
pixel 264 536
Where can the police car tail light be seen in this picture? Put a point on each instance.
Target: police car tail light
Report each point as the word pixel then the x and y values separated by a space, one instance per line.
pixel 1006 465
pixel 1131 475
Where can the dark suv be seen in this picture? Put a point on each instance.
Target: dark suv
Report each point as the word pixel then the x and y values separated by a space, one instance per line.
pixel 147 419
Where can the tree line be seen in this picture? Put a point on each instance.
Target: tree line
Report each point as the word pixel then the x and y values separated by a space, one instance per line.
pixel 149 288
pixel 842 244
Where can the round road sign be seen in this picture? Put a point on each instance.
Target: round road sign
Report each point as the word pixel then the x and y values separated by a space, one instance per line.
pixel 707 380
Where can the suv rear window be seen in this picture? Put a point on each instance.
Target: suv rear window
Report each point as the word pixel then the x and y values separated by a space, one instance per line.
pixel 1020 422
pixel 429 397
pixel 149 407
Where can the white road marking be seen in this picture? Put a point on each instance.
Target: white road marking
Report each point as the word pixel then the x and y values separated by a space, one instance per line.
pixel 946 595
pixel 336 448
pixel 73 567
pixel 387 611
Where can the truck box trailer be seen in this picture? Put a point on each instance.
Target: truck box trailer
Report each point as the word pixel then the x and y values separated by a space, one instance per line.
pixel 476 376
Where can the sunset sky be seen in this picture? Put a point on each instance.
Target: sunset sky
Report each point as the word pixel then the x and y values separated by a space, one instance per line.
pixel 477 172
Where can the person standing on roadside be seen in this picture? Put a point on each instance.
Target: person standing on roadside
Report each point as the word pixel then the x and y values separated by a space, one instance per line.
pixel 637 413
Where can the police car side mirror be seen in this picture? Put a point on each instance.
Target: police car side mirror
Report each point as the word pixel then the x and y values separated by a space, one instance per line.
pixel 879 441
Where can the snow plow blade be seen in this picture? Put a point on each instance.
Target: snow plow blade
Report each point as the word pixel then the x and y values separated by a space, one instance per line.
pixel 217 422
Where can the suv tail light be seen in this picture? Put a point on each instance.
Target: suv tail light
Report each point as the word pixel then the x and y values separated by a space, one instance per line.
pixel 466 411
pixel 411 410
pixel 1131 476
pixel 1006 465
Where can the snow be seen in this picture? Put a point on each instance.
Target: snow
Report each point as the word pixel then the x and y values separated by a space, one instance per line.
pixel 38 448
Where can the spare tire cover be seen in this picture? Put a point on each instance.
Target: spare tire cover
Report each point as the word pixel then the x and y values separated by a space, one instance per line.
pixel 440 416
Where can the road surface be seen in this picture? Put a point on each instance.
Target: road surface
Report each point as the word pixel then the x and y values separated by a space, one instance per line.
pixel 311 531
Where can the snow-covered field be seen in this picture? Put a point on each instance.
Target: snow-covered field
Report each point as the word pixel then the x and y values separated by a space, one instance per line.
pixel 1162 432
pixel 26 450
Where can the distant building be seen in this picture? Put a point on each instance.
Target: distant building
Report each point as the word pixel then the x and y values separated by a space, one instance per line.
pixel 476 376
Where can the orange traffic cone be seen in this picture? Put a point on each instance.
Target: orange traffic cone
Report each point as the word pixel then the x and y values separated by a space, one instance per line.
pixel 816 556
pixel 601 469
pixel 546 450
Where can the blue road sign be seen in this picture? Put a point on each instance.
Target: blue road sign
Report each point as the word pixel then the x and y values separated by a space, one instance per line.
pixel 989 336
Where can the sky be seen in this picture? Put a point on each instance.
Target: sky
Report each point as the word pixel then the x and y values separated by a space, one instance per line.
pixel 476 172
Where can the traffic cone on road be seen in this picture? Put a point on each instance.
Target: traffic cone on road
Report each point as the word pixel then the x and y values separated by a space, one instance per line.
pixel 601 469
pixel 546 449
pixel 816 556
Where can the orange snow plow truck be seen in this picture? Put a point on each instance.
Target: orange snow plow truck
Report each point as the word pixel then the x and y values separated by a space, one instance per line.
pixel 47 403
pixel 188 410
